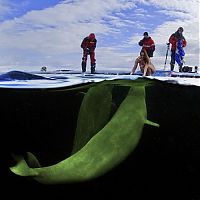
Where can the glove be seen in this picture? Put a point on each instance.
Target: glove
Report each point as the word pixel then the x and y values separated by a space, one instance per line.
pixel 141 42
pixel 153 48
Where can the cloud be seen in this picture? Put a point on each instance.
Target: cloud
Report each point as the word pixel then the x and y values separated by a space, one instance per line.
pixel 4 8
pixel 70 19
pixel 176 5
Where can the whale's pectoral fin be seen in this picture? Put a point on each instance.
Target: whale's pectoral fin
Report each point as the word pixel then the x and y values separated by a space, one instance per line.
pixel 151 123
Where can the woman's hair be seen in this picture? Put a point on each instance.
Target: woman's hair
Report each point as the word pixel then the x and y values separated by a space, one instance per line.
pixel 146 57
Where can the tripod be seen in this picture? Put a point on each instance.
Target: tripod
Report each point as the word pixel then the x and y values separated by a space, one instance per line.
pixel 168 44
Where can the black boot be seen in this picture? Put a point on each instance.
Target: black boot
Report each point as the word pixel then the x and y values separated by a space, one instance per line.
pixel 180 68
pixel 83 64
pixel 93 69
pixel 172 67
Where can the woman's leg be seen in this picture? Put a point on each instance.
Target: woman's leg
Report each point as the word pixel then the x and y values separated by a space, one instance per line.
pixel 152 68
pixel 149 70
pixel 145 70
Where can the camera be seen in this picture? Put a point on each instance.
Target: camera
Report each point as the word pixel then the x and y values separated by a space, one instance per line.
pixel 187 69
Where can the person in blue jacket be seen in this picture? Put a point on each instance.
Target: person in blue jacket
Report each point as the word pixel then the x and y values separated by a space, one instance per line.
pixel 178 42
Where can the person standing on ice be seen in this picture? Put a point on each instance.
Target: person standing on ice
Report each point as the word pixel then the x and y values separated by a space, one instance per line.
pixel 88 45
pixel 178 42
pixel 147 44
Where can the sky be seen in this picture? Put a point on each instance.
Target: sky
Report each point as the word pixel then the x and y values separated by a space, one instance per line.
pixel 49 33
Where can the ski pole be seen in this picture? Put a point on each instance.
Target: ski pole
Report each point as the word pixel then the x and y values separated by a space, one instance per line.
pixel 166 55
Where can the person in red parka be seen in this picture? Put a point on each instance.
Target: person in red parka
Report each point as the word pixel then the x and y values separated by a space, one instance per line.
pixel 173 40
pixel 148 44
pixel 88 45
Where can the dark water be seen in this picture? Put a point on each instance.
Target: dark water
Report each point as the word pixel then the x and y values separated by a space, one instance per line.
pixel 165 164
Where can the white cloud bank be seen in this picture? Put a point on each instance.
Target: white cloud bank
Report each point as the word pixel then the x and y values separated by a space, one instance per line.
pixel 52 36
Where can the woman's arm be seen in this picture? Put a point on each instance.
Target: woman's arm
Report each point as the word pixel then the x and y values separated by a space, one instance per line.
pixel 134 67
